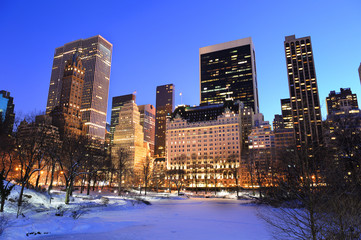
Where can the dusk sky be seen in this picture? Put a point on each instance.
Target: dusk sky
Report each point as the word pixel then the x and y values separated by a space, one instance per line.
pixel 157 42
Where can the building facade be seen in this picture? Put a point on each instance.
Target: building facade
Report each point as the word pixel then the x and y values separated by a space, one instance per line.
pixel 147 120
pixel 278 122
pixel 341 102
pixel 7 115
pixel 202 149
pixel 129 135
pixel 96 54
pixel 164 107
pixel 229 70
pixel 67 116
pixel 117 103
pixel 260 165
pixel 206 142
pixel 287 113
pixel 304 98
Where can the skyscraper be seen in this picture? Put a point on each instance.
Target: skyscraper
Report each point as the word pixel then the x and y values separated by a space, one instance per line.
pixel 117 103
pixel 229 69
pixel 67 116
pixel 278 122
pixel 341 102
pixel 305 103
pixel 147 120
pixel 96 55
pixel 287 113
pixel 164 108
pixel 7 115
pixel 129 135
pixel 359 72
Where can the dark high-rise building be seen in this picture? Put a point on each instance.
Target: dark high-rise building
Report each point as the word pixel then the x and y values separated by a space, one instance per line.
pixel 305 103
pixel 287 113
pixel 341 102
pixel 67 116
pixel 164 107
pixel 278 122
pixel 117 103
pixel 359 72
pixel 96 56
pixel 229 70
pixel 7 115
pixel 147 120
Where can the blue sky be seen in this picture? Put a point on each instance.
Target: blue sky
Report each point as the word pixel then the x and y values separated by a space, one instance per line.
pixel 157 42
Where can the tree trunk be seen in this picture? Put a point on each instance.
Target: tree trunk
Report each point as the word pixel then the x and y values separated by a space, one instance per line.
pixel 68 191
pixel 120 185
pixel 51 179
pixel 237 187
pixel 82 185
pixel 88 185
pixel 20 201
pixel 2 203
pixel 67 195
pixel 215 186
pixel 145 188
pixel 95 180
pixel 111 179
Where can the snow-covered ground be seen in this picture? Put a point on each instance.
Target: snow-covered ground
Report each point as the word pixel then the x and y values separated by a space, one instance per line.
pixel 169 217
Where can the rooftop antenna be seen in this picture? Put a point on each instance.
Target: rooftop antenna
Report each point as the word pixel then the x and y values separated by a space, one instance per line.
pixel 180 94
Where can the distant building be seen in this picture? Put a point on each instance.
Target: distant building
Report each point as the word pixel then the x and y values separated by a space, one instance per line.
pixel 305 102
pixel 117 103
pixel 229 70
pixel 262 156
pixel 262 136
pixel 164 107
pixel 129 135
pixel 96 54
pixel 341 102
pixel 7 115
pixel 147 120
pixel 278 122
pixel 67 116
pixel 287 113
pixel 284 138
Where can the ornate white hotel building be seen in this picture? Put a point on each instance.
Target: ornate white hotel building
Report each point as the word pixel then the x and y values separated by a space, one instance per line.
pixel 206 142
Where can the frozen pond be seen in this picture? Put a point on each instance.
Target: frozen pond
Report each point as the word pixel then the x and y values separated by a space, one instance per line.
pixel 171 219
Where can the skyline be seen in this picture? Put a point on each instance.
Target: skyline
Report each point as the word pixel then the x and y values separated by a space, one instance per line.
pixel 148 51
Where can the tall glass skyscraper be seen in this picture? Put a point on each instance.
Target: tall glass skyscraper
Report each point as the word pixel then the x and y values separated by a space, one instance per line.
pixel 305 102
pixel 147 120
pixel 117 104
pixel 96 56
pixel 287 113
pixel 164 107
pixel 229 70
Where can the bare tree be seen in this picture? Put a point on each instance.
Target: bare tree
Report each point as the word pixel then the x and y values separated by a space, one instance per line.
pixel 158 176
pixel 207 166
pixel 194 170
pixel 146 172
pixel 234 167
pixel 30 152
pixel 215 173
pixel 177 177
pixel 300 216
pixel 121 163
pixel 74 150
pixel 6 165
